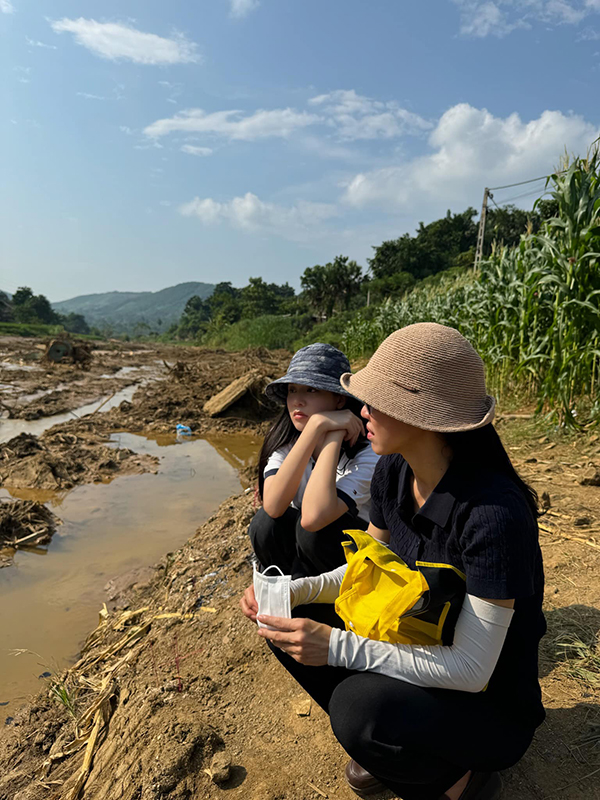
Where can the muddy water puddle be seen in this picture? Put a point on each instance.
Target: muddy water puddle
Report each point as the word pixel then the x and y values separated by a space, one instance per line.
pixel 13 427
pixel 49 599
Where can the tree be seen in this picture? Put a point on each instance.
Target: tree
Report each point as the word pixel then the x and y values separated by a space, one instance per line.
pixel 333 286
pixel 6 308
pixel 30 307
pixel 224 302
pixel 392 286
pixel 259 298
pixel 433 249
pixel 75 323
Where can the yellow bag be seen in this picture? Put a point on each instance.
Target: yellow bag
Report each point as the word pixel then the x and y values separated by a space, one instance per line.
pixel 382 598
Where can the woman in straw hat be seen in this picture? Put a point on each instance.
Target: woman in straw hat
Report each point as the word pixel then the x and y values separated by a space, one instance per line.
pixel 439 720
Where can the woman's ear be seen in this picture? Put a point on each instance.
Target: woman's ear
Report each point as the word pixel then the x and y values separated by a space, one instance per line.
pixel 341 402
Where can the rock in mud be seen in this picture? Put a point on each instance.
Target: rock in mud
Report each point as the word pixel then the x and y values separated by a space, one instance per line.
pixel 220 767
pixel 592 477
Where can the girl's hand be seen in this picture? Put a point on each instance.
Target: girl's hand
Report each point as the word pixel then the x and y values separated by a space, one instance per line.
pixel 304 640
pixel 342 420
pixel 248 603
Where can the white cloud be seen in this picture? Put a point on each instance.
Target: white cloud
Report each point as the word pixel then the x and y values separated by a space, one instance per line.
pixel 260 125
pixel 126 130
pixel 116 41
pixel 470 149
pixel 251 214
pixel 88 96
pixel 348 116
pixel 6 7
pixel 357 117
pixel 240 8
pixel 175 90
pixel 34 43
pixel 196 151
pixel 588 35
pixel 481 18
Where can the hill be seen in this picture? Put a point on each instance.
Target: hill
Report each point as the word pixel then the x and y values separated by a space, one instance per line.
pixel 123 311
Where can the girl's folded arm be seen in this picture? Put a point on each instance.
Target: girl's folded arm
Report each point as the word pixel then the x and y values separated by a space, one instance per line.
pixel 280 489
pixel 321 505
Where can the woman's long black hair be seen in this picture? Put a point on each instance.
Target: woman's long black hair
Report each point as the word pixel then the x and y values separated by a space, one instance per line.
pixel 283 432
pixel 471 448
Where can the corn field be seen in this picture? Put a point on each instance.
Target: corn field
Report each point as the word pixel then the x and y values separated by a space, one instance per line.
pixel 532 312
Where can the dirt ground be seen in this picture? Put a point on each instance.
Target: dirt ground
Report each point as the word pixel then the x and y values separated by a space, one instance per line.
pixel 175 696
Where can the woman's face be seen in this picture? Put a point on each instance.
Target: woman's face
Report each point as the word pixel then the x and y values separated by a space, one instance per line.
pixel 304 401
pixel 388 435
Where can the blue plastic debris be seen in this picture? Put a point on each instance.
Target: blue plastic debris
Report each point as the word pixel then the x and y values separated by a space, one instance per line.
pixel 183 430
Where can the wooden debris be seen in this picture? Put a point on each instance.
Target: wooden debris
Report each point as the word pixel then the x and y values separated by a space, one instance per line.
pixel 317 790
pixel 231 394
pixel 26 522
pixel 580 539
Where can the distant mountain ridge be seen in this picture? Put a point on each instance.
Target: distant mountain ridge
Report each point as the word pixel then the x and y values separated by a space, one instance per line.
pixel 123 311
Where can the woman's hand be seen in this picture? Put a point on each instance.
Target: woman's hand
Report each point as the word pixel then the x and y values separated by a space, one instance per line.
pixel 248 603
pixel 342 420
pixel 304 640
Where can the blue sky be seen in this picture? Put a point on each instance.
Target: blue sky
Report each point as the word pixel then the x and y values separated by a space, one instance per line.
pixel 146 144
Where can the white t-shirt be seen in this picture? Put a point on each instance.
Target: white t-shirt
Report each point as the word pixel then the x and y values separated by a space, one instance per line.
pixel 353 478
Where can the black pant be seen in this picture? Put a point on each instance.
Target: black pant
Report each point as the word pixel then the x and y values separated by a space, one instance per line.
pixel 418 742
pixel 296 551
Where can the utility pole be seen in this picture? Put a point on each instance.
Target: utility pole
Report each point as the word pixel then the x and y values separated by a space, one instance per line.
pixel 481 231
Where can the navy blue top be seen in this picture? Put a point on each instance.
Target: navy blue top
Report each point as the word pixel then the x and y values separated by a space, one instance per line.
pixel 479 522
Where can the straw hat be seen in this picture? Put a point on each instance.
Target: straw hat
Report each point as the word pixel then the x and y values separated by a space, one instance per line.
pixel 426 375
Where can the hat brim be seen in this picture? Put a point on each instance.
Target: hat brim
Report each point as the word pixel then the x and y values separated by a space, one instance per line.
pixel 277 390
pixel 429 413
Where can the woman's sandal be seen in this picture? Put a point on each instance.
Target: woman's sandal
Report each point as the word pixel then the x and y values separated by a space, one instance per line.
pixel 481 786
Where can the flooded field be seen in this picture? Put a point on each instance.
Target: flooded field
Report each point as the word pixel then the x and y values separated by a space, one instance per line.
pixel 50 598
pixel 13 427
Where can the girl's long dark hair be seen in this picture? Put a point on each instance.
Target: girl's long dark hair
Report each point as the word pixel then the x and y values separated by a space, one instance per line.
pixel 283 432
pixel 483 448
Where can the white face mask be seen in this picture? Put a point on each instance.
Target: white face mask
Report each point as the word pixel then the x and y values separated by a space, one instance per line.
pixel 272 594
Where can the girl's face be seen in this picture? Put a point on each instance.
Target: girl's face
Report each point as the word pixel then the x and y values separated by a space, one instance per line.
pixel 388 435
pixel 304 401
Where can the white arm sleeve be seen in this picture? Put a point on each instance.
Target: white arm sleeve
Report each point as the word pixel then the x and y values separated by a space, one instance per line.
pixel 323 588
pixel 466 665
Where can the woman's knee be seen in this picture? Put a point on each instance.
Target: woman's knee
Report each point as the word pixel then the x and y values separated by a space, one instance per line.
pixel 351 715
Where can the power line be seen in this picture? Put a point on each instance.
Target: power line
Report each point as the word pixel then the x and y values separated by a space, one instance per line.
pixel 517 197
pixel 520 183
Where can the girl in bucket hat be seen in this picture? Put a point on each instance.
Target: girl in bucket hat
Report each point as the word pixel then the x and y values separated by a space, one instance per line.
pixel 434 698
pixel 315 467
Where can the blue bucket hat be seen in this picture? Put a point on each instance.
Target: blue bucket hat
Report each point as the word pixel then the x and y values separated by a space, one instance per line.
pixel 317 365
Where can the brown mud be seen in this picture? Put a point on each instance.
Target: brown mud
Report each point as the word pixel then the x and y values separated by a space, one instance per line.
pixel 174 676
pixel 31 388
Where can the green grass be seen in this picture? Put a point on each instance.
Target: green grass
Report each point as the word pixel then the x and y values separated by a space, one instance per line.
pixel 37 329
pixel 273 332
pixel 29 329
